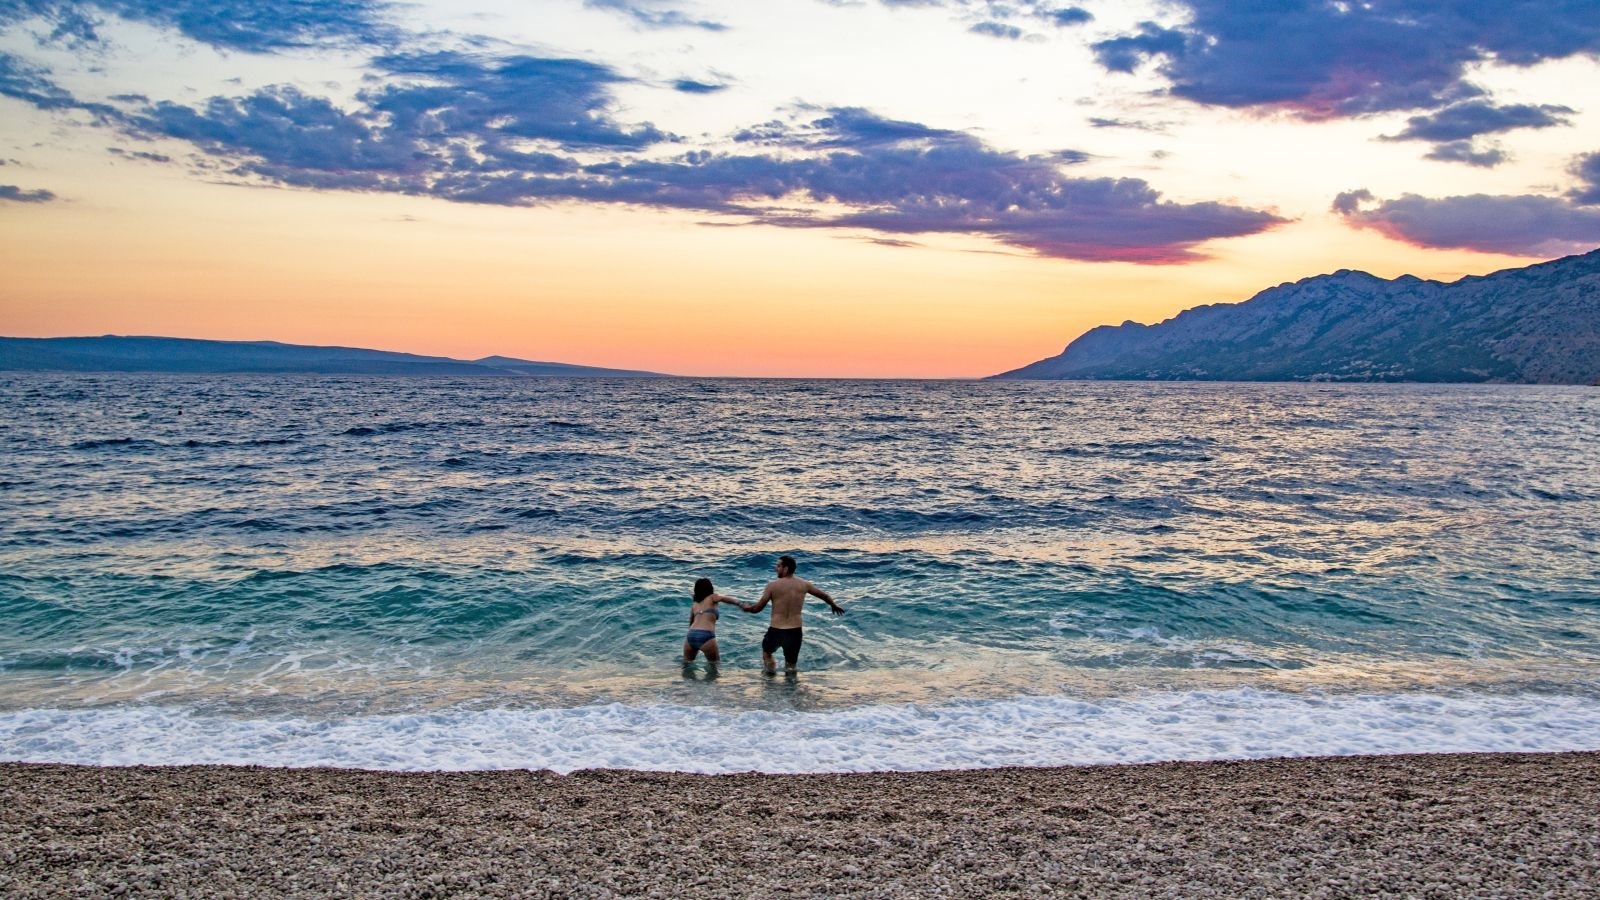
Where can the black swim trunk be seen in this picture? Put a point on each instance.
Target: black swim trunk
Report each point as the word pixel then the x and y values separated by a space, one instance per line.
pixel 788 639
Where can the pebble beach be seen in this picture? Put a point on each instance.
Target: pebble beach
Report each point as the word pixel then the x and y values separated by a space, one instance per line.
pixel 1478 825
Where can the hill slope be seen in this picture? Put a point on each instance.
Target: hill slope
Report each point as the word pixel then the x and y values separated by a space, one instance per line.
pixel 1538 324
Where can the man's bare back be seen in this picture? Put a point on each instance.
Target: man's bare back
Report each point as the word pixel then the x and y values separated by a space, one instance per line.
pixel 787 594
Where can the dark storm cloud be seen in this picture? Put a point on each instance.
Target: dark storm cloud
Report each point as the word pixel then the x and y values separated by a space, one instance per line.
pixel 257 26
pixel 654 15
pixel 1587 169
pixel 1464 121
pixel 1322 59
pixel 1521 225
pixel 14 194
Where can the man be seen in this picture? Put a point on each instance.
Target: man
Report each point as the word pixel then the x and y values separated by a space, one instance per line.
pixel 787 594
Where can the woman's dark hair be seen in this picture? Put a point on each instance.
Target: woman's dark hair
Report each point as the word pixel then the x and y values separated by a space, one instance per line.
pixel 703 589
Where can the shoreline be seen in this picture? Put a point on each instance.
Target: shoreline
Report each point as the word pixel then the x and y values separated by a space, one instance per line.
pixel 1440 825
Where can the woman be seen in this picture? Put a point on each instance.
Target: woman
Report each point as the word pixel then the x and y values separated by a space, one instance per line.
pixel 703 622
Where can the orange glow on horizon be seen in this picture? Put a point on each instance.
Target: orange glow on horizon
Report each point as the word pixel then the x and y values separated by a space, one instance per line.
pixel 611 286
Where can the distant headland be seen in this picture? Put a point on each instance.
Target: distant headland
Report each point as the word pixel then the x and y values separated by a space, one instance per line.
pixel 113 353
pixel 1535 325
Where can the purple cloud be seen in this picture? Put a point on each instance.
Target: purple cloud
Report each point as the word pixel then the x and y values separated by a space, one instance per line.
pixel 523 130
pixel 1323 59
pixel 990 28
pixel 1066 17
pixel 1131 124
pixel 993 18
pixel 1587 169
pixel 256 26
pixel 893 177
pixel 493 105
pixel 1464 121
pixel 32 84
pixel 18 195
pixel 1467 152
pixel 1453 130
pixel 690 86
pixel 1518 225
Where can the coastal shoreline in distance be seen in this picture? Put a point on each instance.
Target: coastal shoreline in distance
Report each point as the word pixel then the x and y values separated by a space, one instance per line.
pixel 1435 825
pixel 195 356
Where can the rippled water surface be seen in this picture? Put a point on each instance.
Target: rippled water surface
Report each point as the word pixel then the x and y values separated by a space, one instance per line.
pixel 413 573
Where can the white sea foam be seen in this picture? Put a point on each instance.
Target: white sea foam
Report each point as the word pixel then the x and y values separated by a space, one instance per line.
pixel 1031 731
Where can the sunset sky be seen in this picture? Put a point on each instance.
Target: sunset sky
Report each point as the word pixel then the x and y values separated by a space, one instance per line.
pixel 940 188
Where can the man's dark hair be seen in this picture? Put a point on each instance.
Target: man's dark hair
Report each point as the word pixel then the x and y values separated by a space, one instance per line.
pixel 787 562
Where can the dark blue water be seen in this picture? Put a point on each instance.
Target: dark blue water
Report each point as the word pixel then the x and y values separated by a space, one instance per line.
pixel 414 573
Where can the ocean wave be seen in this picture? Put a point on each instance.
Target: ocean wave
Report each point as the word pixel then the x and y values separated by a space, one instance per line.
pixel 1179 449
pixel 397 427
pixel 108 443
pixel 1029 731
pixel 255 442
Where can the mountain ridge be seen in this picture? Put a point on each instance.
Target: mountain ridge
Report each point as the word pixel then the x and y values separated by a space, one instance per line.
pixel 1534 324
pixel 150 353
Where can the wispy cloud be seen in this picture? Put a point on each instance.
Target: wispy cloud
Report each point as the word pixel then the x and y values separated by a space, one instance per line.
pixel 652 14
pixel 142 155
pixel 999 18
pixel 1131 124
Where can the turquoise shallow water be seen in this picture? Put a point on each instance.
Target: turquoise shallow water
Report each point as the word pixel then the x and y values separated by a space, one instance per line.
pixel 411 573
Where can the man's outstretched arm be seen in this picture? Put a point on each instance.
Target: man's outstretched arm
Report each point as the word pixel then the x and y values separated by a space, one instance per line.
pixel 759 605
pixel 825 597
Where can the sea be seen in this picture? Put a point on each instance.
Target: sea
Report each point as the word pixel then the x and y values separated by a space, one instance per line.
pixel 436 574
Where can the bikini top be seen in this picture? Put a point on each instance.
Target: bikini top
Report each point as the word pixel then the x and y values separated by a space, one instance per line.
pixel 708 611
